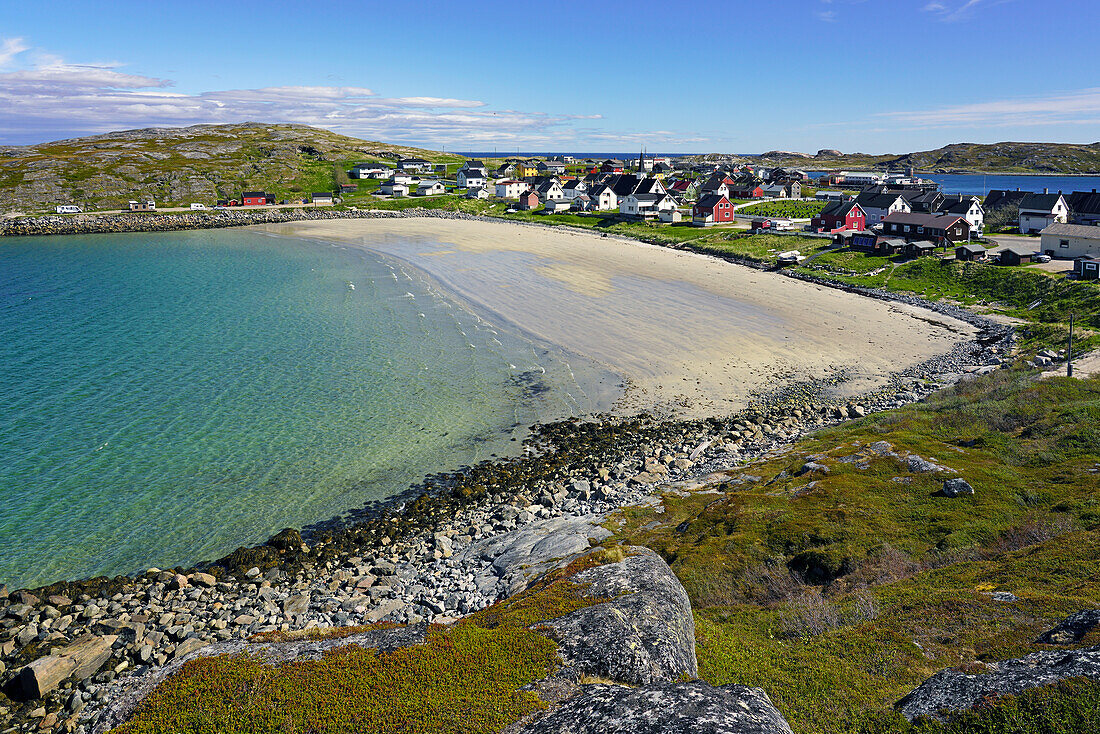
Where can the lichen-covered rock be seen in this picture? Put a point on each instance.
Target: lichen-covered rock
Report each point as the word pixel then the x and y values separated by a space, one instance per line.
pixel 1072 628
pixel 956 487
pixel 670 708
pixel 951 691
pixel 645 634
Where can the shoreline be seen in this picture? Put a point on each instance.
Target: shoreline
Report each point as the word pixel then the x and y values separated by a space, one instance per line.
pixel 393 560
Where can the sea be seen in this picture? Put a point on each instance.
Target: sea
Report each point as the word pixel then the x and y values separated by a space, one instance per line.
pixel 166 398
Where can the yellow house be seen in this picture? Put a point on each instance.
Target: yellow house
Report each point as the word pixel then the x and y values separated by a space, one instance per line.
pixel 526 168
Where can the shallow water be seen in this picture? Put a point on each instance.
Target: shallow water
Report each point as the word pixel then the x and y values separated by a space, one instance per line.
pixel 165 398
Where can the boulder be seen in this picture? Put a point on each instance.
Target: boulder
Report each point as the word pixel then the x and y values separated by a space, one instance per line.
pixel 80 659
pixel 956 487
pixel 1072 628
pixel 295 605
pixel 671 708
pixel 920 465
pixel 644 634
pixel 202 579
pixel 951 691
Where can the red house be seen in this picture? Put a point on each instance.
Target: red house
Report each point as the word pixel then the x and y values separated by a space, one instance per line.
pixel 528 200
pixel 840 215
pixel 253 198
pixel 746 191
pixel 711 209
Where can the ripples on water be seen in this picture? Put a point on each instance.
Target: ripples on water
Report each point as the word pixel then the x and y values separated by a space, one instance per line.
pixel 166 398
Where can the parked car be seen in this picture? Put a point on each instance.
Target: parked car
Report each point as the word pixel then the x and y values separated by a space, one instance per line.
pixel 1041 259
pixel 198 207
pixel 68 209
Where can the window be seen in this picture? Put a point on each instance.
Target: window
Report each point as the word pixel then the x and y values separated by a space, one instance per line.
pixel 907 228
pixel 920 230
pixel 1064 244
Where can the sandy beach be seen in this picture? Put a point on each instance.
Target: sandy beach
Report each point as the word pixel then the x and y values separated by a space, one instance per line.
pixel 693 336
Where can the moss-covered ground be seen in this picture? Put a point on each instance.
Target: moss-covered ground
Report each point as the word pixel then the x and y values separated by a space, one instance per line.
pixel 839 592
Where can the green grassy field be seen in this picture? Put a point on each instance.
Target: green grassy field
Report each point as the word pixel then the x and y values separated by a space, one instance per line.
pixel 786 209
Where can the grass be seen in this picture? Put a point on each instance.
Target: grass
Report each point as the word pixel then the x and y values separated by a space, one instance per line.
pixel 759 247
pixel 840 596
pixel 787 209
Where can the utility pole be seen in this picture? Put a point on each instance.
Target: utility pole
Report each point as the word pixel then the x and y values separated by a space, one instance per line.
pixel 1069 348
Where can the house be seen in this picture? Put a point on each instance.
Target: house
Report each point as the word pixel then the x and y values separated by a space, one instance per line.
pixel 1084 207
pixel 477 192
pixel 414 164
pixel 1000 198
pixel 1037 211
pixel 321 197
pixel 473 165
pixel 717 183
pixel 967 207
pixel 1087 268
pixel 556 206
pixel 858 178
pixel 660 169
pixel 551 167
pixel 712 209
pixel 943 229
pixel 920 248
pixel 879 206
pixel 348 188
pixel 550 190
pixel 928 201
pixel 840 215
pixel 430 188
pixel 747 188
pixel 1070 241
pixel 506 170
pixel 573 188
pixel 510 188
pixel 775 191
pixel 393 187
pixel 581 203
pixel 528 200
pixel 604 198
pixel 828 195
pixel 684 189
pixel 471 178
pixel 670 216
pixel 369 170
pixel 406 178
pixel 612 165
pixel 253 198
pixel 150 206
pixel 970 253
pixel 857 240
pixel 525 169
pixel 885 246
pixel 1015 255
pixel 646 206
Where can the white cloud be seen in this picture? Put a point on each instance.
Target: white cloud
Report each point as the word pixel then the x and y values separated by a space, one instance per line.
pixel 53 98
pixel 1073 107
pixel 829 16
pixel 9 49
pixel 963 11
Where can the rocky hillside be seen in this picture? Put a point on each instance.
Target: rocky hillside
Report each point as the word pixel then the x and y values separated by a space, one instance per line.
pixel 177 166
pixel 1050 158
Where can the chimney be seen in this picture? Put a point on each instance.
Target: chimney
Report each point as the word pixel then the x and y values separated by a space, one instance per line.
pixel 1046 191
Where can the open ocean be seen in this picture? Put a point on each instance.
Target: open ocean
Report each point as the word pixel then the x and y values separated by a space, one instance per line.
pixel 167 398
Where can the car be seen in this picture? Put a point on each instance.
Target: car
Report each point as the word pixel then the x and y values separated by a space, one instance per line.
pixel 1041 258
pixel 220 208
pixel 198 207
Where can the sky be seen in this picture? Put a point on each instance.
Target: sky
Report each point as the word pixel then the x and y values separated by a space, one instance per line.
pixel 876 76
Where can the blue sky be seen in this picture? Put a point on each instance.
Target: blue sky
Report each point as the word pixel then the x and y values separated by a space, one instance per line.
pixel 857 75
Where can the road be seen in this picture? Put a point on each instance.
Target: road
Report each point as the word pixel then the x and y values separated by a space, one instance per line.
pixel 176 209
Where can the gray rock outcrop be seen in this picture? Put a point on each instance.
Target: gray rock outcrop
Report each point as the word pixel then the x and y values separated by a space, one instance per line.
pixel 956 487
pixel 1072 628
pixel 951 691
pixel 670 708
pixel 644 634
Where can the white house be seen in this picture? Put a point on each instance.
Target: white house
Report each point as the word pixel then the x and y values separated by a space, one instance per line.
pixel 574 188
pixel 414 164
pixel 471 178
pixel 390 187
pixel 879 206
pixel 646 206
pixel 1070 240
pixel 510 188
pixel 775 191
pixel 430 188
pixel 550 191
pixel 671 216
pixel 370 170
pixel 405 178
pixel 555 206
pixel 478 192
pixel 474 166
pixel 603 199
pixel 1038 211
pixel 967 207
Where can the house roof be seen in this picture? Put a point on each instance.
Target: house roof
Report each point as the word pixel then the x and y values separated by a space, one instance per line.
pixel 710 201
pixel 414 160
pixel 839 209
pixel 998 198
pixel 322 194
pixel 1087 231
pixel 1040 202
pixel 1019 250
pixel 599 189
pixel 475 164
pixel 876 201
pixel 1084 202
pixel 923 245
pixel 971 248
pixel 921 219
pixel 252 194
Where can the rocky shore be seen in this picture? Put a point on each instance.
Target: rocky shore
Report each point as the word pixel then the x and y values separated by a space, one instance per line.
pixel 459 543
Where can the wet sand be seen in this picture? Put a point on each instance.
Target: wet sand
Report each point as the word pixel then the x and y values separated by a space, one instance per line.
pixel 693 336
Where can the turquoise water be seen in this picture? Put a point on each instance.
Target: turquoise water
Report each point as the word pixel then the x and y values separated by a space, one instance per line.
pixel 165 398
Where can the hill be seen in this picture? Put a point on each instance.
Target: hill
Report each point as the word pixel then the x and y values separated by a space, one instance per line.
pixel 175 166
pixel 1049 158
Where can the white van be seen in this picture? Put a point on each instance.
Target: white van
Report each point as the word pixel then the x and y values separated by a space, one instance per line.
pixel 68 209
pixel 197 207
